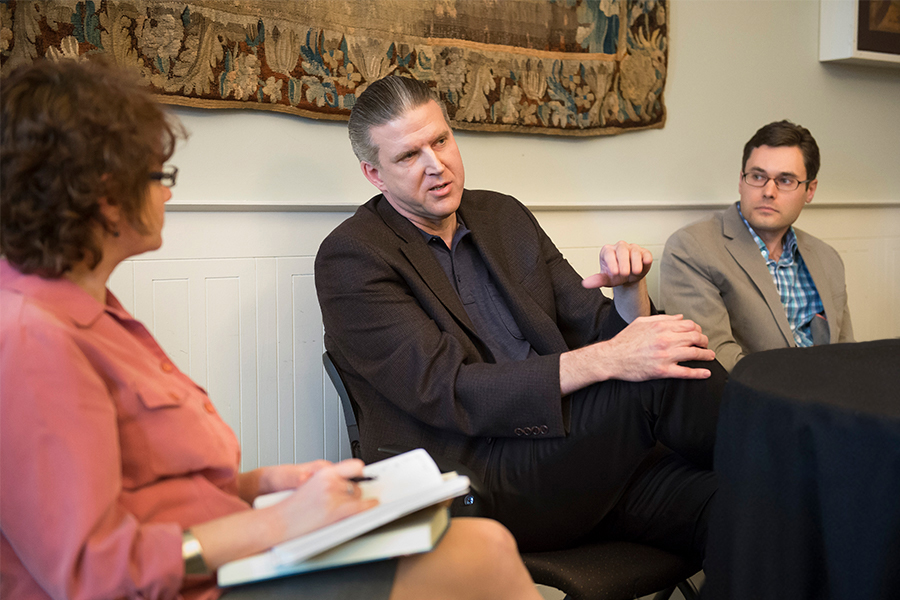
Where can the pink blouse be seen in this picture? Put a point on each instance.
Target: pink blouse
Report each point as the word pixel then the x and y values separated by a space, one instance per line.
pixel 107 450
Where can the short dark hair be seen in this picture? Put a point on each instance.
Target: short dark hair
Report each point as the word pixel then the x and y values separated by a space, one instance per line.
pixel 785 133
pixel 72 132
pixel 383 101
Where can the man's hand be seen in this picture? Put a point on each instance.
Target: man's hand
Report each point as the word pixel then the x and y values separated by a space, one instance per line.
pixel 652 347
pixel 649 348
pixel 624 267
pixel 620 264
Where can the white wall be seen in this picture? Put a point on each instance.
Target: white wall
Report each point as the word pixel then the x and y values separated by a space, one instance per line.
pixel 734 65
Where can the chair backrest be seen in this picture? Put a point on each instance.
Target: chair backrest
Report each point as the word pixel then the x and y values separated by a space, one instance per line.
pixel 349 416
pixel 474 504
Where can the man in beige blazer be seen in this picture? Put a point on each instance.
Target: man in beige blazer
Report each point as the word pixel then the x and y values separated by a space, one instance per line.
pixel 748 277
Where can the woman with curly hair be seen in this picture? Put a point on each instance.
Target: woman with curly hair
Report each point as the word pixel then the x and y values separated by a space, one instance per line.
pixel 119 478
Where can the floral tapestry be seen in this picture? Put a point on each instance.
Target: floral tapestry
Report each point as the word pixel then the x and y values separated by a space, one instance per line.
pixel 563 67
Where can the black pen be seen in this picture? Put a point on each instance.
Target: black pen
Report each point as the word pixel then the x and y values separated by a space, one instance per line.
pixel 360 479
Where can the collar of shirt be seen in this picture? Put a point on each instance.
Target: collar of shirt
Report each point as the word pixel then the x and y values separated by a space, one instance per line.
pixel 66 297
pixel 461 231
pixel 788 254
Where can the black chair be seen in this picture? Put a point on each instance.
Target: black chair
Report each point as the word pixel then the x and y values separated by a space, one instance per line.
pixel 593 571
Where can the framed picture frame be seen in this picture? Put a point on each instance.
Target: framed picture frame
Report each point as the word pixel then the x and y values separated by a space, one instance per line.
pixel 863 32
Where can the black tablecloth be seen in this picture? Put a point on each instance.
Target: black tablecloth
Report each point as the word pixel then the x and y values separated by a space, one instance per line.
pixel 808 457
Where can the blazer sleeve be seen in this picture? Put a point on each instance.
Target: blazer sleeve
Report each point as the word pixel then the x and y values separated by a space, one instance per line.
pixel 687 287
pixel 846 330
pixel 846 333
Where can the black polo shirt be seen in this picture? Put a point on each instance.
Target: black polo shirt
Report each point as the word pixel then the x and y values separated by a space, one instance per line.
pixel 484 303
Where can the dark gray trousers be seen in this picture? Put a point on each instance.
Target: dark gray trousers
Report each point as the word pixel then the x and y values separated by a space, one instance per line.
pixel 610 475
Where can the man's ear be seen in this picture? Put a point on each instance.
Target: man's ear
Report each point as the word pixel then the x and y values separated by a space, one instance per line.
pixel 811 190
pixel 373 174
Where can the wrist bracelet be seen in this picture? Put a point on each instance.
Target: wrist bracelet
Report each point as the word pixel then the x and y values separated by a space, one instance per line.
pixel 192 554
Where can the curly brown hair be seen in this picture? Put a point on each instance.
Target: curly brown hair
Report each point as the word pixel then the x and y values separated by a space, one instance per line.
pixel 72 132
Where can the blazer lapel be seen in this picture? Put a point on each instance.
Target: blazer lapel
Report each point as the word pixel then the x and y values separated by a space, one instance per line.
pixel 412 245
pixel 819 274
pixel 743 249
pixel 540 330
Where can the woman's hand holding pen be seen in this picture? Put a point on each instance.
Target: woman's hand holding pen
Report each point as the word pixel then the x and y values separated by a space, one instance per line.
pixel 324 494
pixel 327 496
pixel 266 480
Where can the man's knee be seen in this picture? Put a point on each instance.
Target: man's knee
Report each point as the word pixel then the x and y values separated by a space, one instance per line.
pixel 667 505
pixel 718 375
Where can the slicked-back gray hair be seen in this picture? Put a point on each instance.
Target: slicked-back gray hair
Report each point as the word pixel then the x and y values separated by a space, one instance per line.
pixel 382 102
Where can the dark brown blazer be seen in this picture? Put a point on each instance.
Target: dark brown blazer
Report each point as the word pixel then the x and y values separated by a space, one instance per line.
pixel 418 371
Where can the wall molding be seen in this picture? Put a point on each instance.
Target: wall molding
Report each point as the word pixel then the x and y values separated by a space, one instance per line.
pixel 250 207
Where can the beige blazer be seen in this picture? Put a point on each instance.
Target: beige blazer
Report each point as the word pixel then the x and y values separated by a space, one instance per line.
pixel 713 273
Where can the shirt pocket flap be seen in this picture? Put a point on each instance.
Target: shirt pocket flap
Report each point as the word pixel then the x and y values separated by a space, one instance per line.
pixel 154 398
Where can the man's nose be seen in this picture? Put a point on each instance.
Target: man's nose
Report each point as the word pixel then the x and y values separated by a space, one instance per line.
pixel 433 163
pixel 770 189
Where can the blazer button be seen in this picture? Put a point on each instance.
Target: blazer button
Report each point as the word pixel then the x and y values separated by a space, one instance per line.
pixel 544 429
pixel 166 366
pixel 519 432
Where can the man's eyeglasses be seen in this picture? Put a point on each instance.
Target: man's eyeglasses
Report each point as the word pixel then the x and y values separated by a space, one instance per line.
pixel 167 176
pixel 785 183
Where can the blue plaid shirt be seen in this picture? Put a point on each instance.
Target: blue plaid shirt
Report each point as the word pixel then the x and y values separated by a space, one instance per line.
pixel 794 284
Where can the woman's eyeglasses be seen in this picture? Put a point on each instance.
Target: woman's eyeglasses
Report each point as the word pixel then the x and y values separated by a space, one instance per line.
pixel 167 176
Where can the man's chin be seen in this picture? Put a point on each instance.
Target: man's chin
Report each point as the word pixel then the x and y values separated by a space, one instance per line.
pixel 445 207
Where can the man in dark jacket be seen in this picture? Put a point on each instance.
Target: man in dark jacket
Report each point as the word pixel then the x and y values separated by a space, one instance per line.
pixel 460 328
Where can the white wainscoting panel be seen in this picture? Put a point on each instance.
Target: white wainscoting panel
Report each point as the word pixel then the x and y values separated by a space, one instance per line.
pixel 203 313
pixel 867 291
pixel 231 298
pixel 249 331
pixel 302 401
pixel 267 401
